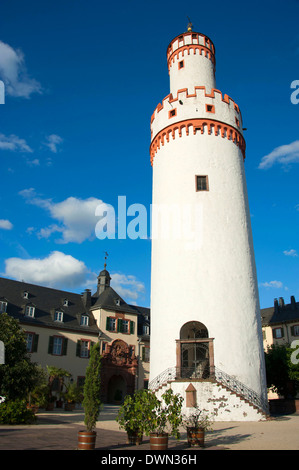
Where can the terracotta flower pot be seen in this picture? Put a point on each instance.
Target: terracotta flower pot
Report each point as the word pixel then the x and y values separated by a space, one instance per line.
pixel 196 437
pixel 158 441
pixel 86 440
pixel 134 438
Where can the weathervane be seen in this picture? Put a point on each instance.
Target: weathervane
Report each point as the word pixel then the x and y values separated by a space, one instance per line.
pixel 189 24
pixel 106 256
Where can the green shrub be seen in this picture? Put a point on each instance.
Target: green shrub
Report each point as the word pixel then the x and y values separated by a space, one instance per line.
pixel 16 412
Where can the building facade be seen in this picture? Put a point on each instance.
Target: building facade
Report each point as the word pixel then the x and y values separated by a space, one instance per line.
pixel 61 327
pixel 205 314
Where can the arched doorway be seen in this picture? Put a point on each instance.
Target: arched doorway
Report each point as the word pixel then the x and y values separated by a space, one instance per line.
pixel 195 353
pixel 117 389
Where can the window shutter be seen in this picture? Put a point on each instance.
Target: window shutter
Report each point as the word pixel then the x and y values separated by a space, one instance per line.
pixel 143 353
pixel 50 345
pixel 35 343
pixel 292 331
pixel 119 325
pixel 108 323
pixel 78 348
pixel 64 346
pixel 132 325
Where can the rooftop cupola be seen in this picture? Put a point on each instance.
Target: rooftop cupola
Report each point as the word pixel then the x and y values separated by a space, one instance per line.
pixel 103 279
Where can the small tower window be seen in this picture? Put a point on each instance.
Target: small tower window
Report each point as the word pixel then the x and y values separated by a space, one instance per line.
pixel 172 113
pixel 202 183
pixel 210 108
pixel 181 64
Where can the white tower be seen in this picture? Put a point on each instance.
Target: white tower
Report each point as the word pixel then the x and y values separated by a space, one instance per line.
pixel 205 314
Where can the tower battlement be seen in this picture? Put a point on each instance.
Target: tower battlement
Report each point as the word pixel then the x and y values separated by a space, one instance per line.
pixel 218 113
pixel 190 42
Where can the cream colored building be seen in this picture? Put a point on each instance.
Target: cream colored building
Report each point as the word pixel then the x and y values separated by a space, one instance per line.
pixel 62 326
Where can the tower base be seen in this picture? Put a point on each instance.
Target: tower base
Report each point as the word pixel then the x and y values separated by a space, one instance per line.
pixel 216 399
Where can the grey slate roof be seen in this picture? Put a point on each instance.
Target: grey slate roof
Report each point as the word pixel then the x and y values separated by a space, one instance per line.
pixel 280 312
pixel 47 300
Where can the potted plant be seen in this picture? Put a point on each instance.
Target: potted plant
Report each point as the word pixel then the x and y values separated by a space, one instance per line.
pixel 91 399
pixel 197 422
pixel 131 416
pixel 71 396
pixel 162 418
pixel 56 375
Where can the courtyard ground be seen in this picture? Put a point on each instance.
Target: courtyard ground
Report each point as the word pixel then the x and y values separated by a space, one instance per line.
pixel 57 430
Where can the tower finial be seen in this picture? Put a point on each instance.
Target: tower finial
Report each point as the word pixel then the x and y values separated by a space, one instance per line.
pixel 189 24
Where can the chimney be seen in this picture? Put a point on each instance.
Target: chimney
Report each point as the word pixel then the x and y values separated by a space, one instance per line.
pixel 281 302
pixel 86 298
pixel 293 302
pixel 275 305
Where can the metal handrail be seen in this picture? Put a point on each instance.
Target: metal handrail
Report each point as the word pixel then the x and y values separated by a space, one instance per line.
pixel 177 373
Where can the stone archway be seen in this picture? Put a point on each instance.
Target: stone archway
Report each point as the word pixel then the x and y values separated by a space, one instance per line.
pixel 195 352
pixel 117 389
pixel 119 366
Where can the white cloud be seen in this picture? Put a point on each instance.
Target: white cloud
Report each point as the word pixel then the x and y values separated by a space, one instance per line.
pixel 275 284
pixel 127 286
pixel 285 155
pixel 76 216
pixel 55 270
pixel 5 224
pixel 291 253
pixel 14 74
pixel 14 143
pixel 53 141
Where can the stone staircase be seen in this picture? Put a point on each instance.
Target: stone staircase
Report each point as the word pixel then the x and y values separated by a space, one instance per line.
pixel 221 395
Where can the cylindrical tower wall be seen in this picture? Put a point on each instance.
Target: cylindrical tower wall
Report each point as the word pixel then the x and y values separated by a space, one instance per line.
pixel 203 266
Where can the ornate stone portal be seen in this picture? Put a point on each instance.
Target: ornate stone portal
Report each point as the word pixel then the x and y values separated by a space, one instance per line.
pixel 119 368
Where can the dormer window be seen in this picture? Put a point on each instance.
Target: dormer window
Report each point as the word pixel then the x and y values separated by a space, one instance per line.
pixel 58 316
pixel 25 295
pixel 117 302
pixel 30 310
pixel 3 306
pixel 65 303
pixel 84 320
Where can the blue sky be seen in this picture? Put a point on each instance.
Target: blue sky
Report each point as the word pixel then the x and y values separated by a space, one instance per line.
pixel 82 79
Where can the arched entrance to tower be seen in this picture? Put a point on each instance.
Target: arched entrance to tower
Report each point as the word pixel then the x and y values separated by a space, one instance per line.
pixel 195 352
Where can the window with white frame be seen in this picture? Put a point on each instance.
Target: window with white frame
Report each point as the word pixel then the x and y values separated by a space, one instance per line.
pixel 31 342
pixel 295 330
pixel 84 352
pixel 111 324
pixel 125 326
pixel 29 312
pixel 58 316
pixel 3 306
pixel 84 320
pixel 57 345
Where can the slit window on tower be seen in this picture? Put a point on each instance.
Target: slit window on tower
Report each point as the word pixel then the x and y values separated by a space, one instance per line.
pixel 202 183
pixel 181 64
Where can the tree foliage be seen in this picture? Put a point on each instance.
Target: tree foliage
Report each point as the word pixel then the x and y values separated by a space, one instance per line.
pixel 18 374
pixel 92 388
pixel 281 371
